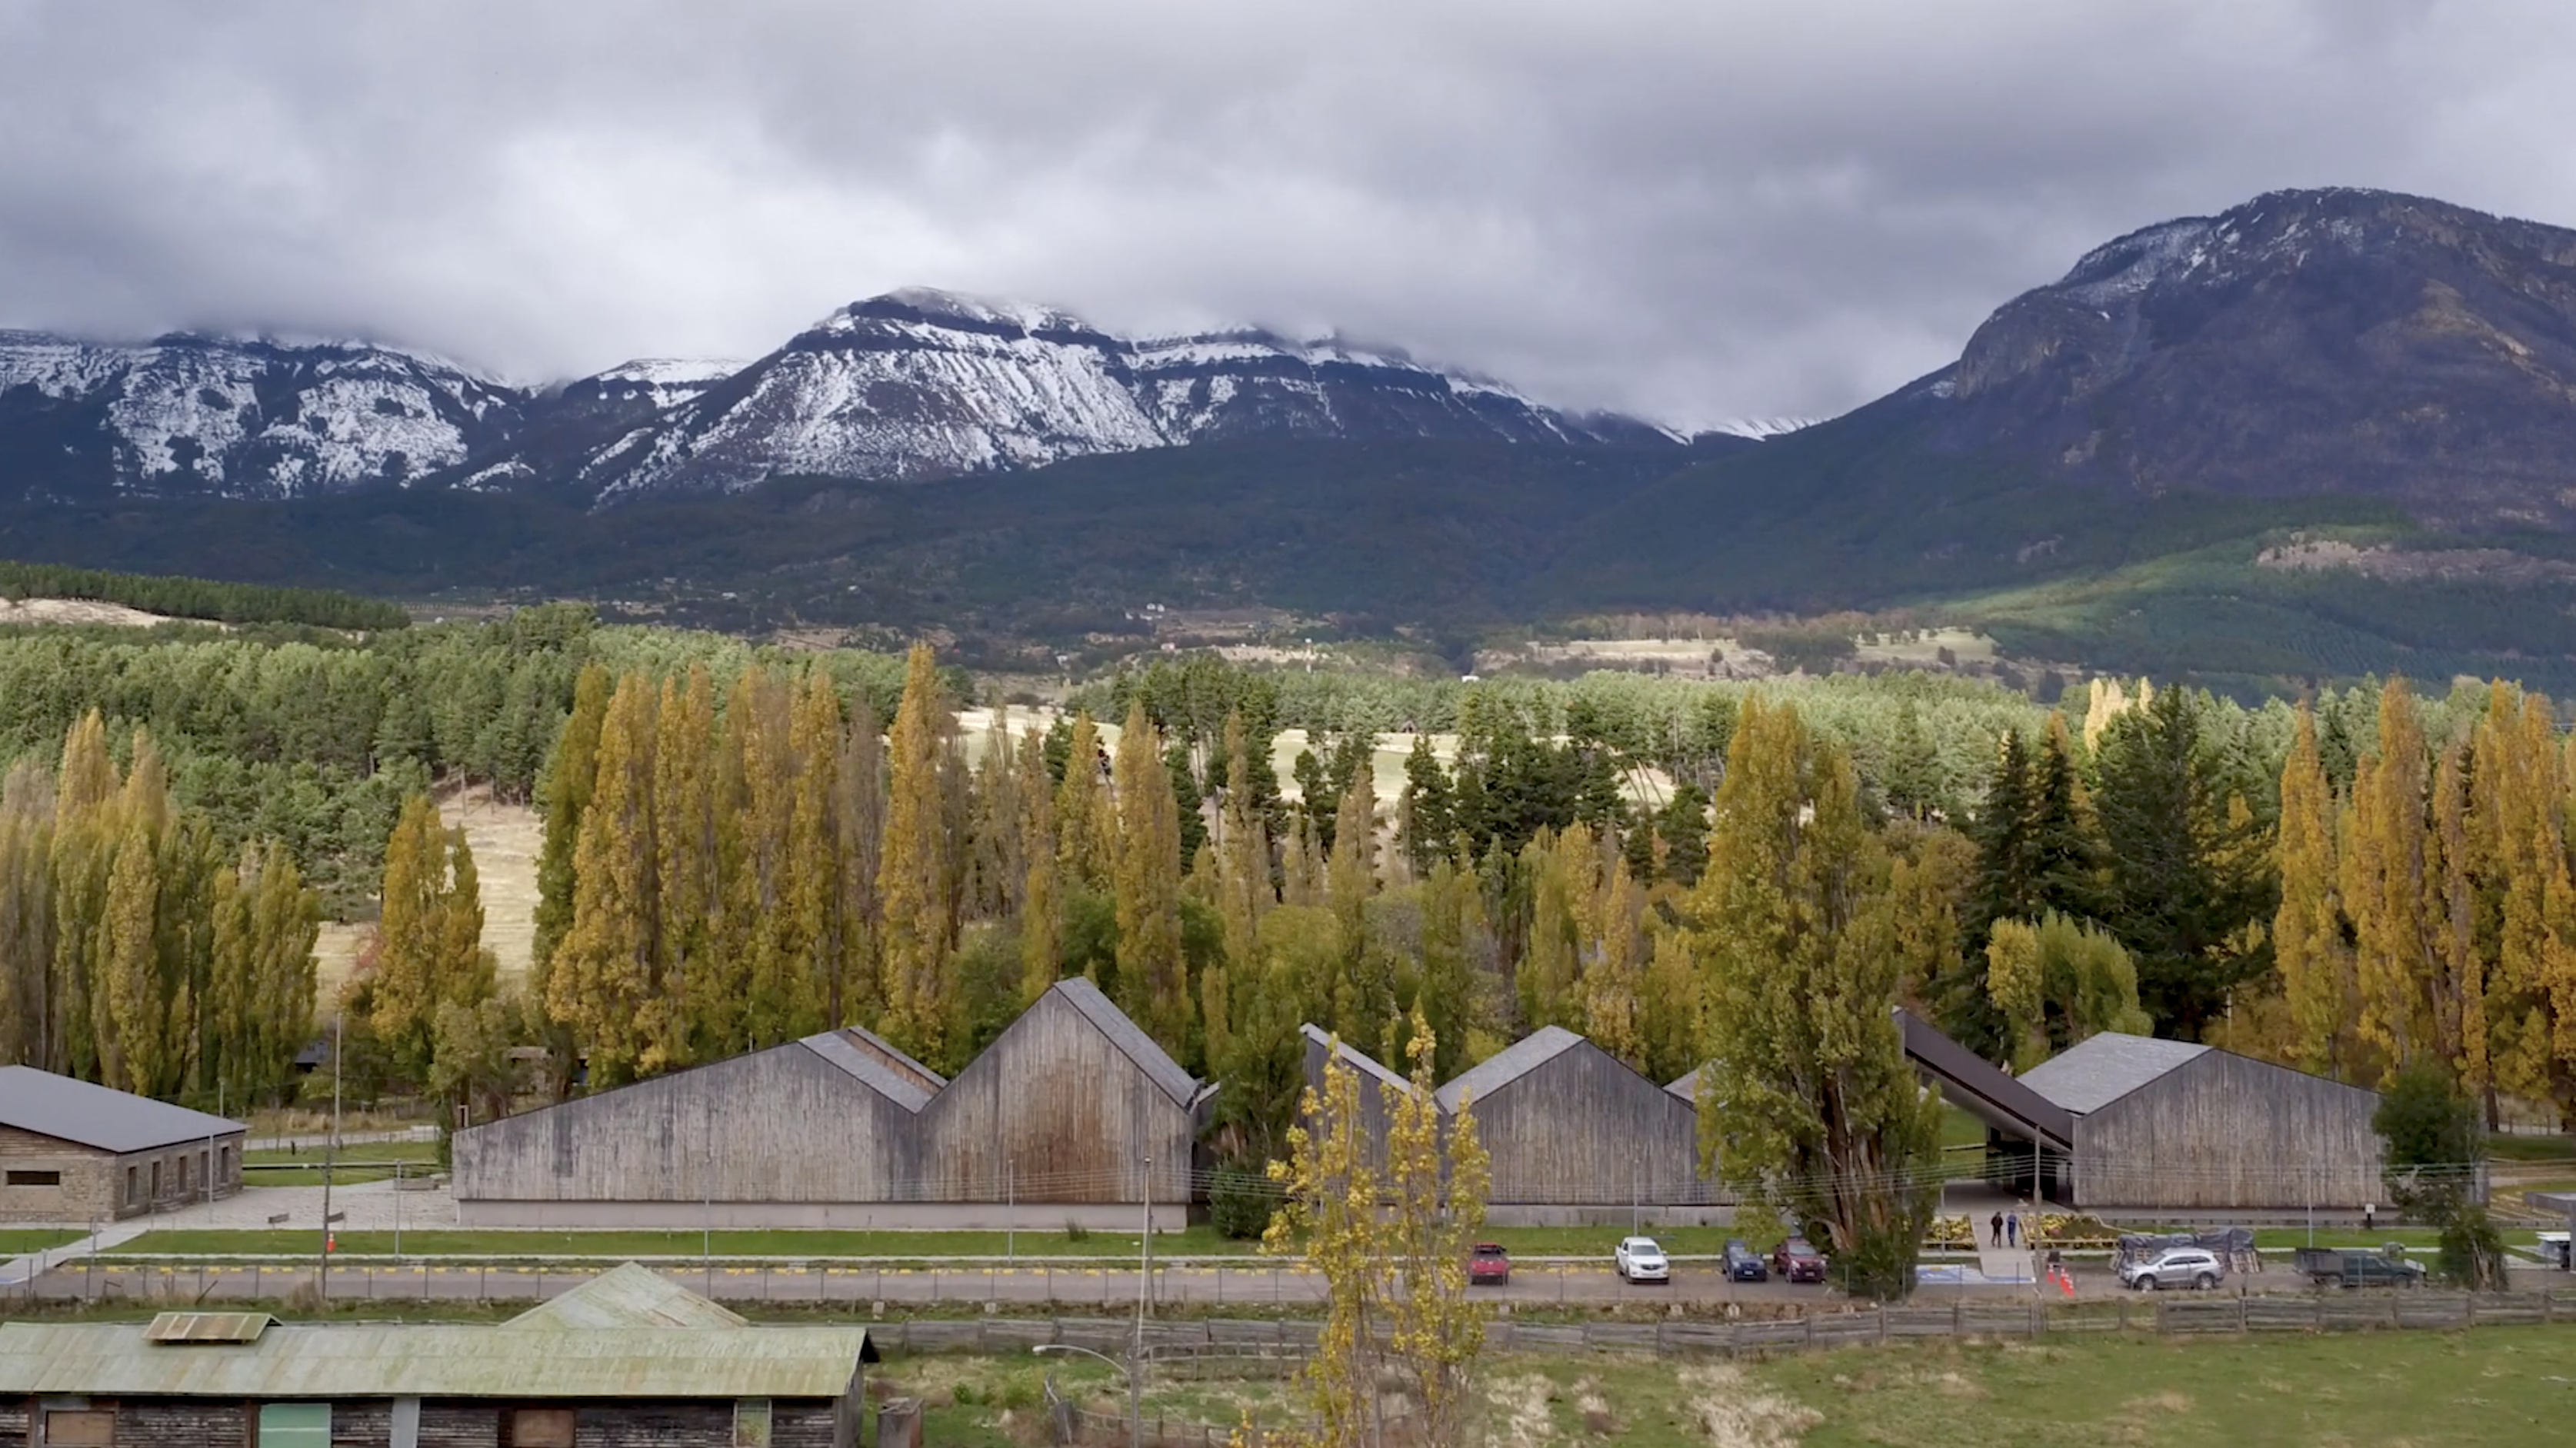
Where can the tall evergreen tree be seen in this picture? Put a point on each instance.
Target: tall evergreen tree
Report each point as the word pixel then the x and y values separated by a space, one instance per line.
pixel 2185 874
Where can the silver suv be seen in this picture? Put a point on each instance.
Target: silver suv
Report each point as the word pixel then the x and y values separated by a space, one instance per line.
pixel 2174 1267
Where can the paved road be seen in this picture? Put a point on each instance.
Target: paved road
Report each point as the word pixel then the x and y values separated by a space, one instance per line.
pixel 1037 1285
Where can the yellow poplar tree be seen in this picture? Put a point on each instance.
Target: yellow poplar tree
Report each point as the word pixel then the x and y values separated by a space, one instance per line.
pixel 2383 872
pixel 1082 820
pixel 2307 931
pixel 603 984
pixel 1041 909
pixel 685 872
pixel 912 875
pixel 130 1048
pixel 1151 972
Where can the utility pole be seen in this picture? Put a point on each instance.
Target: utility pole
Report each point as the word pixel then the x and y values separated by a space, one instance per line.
pixel 1011 1212
pixel 1144 1288
pixel 331 1155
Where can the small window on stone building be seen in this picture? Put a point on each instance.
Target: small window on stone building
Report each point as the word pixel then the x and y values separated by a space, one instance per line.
pixel 133 1184
pixel 183 1176
pixel 540 1428
pixel 20 1177
pixel 80 1428
pixel 156 1181
pixel 751 1423
pixel 295 1425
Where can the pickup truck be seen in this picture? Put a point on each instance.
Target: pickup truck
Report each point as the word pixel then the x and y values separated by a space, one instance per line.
pixel 2359 1267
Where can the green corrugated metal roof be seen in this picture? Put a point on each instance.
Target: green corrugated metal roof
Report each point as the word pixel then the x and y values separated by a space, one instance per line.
pixel 627 1296
pixel 435 1361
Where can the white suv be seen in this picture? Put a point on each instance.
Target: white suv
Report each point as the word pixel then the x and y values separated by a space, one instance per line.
pixel 2174 1267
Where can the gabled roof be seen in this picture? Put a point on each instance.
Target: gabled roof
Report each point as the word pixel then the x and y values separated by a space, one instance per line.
pixel 443 1360
pixel 1509 1064
pixel 875 1063
pixel 1983 1089
pixel 1356 1059
pixel 2099 1070
pixel 91 1115
pixel 1129 1038
pixel 625 1296
pixel 1687 1088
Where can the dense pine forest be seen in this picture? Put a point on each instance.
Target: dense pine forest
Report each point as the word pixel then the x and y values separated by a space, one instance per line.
pixel 745 845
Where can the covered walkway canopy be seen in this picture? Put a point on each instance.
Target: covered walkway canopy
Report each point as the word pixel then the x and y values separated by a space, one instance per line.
pixel 1985 1090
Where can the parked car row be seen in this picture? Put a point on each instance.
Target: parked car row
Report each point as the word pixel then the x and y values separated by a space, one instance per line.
pixel 1642 1259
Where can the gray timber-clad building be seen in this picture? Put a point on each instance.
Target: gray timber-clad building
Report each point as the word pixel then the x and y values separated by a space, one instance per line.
pixel 1053 1121
pixel 75 1151
pixel 1066 1109
pixel 1376 1078
pixel 2163 1124
pixel 821 1132
pixel 628 1360
pixel 1577 1137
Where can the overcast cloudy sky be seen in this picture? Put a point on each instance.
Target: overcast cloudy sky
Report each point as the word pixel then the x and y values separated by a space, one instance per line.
pixel 1698 210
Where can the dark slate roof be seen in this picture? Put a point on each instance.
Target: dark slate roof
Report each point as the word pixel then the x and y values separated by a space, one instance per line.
pixel 2099 1070
pixel 1983 1089
pixel 877 1065
pixel 1359 1060
pixel 96 1116
pixel 1509 1064
pixel 1129 1038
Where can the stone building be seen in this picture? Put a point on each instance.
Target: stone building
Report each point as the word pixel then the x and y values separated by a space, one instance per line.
pixel 74 1151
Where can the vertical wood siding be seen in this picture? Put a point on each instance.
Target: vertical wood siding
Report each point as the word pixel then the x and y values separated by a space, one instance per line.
pixel 1065 1112
pixel 2222 1131
pixel 781 1125
pixel 1581 1129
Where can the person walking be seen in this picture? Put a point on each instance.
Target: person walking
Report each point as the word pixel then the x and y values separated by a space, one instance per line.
pixel 1995 1230
pixel 2012 1229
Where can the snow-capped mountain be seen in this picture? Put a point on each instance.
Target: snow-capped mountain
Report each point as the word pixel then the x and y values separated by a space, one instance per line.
pixel 915 384
pixel 920 383
pixel 253 418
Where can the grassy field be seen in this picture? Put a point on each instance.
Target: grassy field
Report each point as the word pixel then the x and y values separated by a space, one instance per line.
pixel 1525 1242
pixel 15 1242
pixel 359 1161
pixel 2417 1389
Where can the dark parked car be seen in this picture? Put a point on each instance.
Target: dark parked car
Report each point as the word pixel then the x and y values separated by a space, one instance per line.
pixel 1489 1264
pixel 1742 1265
pixel 1796 1260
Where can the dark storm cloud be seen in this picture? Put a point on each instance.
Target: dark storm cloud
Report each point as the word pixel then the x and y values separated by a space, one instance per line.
pixel 1690 209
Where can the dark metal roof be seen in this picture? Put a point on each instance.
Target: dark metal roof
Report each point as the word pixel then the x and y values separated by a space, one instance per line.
pixel 1129 1038
pixel 1358 1060
pixel 91 1115
pixel 2099 1070
pixel 876 1064
pixel 1983 1089
pixel 1509 1064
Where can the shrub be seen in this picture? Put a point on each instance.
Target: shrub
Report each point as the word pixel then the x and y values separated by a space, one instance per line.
pixel 1241 1201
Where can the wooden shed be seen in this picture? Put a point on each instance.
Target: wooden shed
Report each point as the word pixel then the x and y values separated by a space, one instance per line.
pixel 1577 1137
pixel 629 1360
pixel 2175 1125
pixel 1064 1111
pixel 822 1132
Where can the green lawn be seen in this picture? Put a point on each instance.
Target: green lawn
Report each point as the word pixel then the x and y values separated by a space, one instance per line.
pixel 358 1161
pixel 2420 1389
pixel 15 1242
pixel 2531 1148
pixel 1198 1241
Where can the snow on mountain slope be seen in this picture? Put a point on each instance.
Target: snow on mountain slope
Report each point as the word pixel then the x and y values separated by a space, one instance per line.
pixel 259 418
pixel 921 383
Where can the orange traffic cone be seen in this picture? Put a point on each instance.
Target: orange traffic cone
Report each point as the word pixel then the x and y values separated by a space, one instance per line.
pixel 2066 1281
pixel 330 1241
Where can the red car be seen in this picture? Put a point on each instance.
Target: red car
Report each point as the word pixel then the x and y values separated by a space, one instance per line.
pixel 1796 1260
pixel 1489 1264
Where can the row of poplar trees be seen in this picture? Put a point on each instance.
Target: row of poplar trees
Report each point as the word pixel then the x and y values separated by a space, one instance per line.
pixel 134 950
pixel 2427 912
